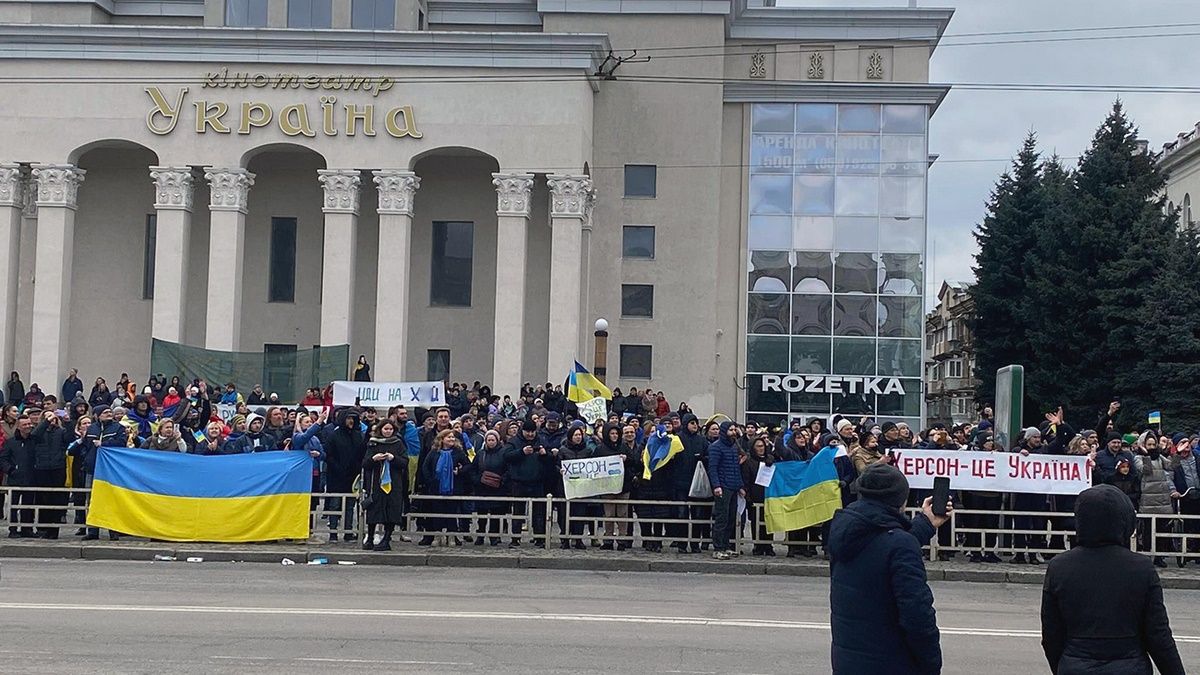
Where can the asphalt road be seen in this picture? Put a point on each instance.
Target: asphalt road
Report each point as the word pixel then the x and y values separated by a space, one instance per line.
pixel 82 616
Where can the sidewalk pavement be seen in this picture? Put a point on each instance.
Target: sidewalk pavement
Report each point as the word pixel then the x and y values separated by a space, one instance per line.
pixel 467 555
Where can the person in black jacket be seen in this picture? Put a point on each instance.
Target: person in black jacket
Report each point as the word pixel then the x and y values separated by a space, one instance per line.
pixel 528 462
pixel 758 456
pixel 490 471
pixel 682 469
pixel 881 607
pixel 17 462
pixel 385 448
pixel 611 445
pixel 1102 604
pixel 49 471
pixel 345 447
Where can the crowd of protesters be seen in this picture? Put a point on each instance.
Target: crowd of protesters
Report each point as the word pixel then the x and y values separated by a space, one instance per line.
pixel 486 445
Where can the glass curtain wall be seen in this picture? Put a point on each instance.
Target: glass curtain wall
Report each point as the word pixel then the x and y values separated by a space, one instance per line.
pixel 836 255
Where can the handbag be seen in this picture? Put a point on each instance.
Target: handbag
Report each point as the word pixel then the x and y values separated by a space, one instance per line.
pixel 491 479
pixel 701 487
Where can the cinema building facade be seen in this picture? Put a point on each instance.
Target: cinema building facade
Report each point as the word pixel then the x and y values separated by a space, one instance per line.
pixel 462 188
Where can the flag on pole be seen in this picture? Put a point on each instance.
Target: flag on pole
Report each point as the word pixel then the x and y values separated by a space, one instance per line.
pixel 583 386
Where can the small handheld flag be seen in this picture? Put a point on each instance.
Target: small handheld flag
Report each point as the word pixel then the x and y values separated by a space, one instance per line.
pixel 385 478
pixel 1155 417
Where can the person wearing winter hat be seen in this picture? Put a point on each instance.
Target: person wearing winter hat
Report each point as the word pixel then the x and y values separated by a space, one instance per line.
pixel 254 440
pixel 1107 459
pixel 881 606
pixel 528 464
pixel 890 438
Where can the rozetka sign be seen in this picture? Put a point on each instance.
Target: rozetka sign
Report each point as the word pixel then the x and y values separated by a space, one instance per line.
pixel 832 384
pixel 325 114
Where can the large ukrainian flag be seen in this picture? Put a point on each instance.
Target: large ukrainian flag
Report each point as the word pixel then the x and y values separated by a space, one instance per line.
pixel 177 497
pixel 584 386
pixel 802 494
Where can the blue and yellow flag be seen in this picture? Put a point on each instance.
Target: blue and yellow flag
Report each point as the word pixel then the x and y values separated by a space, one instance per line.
pixel 260 496
pixel 659 450
pixel 584 386
pixel 802 494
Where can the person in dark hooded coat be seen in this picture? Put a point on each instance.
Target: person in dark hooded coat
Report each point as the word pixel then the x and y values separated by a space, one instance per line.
pixel 881 606
pixel 1102 604
pixel 384 507
pixel 345 447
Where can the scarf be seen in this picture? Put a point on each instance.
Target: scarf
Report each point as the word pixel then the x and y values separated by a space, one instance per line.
pixel 445 472
pixel 158 442
pixel 385 470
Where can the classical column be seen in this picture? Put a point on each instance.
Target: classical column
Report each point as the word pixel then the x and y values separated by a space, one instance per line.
pixel 12 203
pixel 172 239
pixel 338 255
pixel 585 271
pixel 58 192
pixel 229 191
pixel 512 219
pixel 568 202
pixel 396 192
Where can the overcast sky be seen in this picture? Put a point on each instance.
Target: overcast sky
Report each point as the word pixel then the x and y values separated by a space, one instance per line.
pixel 974 125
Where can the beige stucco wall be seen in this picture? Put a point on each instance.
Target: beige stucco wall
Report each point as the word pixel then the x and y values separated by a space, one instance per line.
pixel 1184 181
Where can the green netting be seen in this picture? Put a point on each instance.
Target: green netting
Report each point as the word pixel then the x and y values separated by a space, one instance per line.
pixel 282 369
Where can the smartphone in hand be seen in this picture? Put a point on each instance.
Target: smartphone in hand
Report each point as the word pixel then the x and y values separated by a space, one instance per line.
pixel 941 495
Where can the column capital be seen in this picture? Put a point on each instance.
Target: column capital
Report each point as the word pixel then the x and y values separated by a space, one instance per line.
pixel 172 187
pixel 568 195
pixel 58 184
pixel 341 190
pixel 229 189
pixel 397 189
pixel 12 186
pixel 512 193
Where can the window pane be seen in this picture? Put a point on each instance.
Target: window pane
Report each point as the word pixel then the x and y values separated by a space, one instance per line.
pixel 322 13
pixel 903 119
pixel 904 155
pixel 770 195
pixel 856 273
pixel 902 274
pixel 767 314
pixel 810 356
pixel 858 154
pixel 637 300
pixel 858 118
pixel 853 404
pixel 373 14
pixel 902 197
pixel 815 154
pixel 900 358
pixel 771 153
pixel 641 180
pixel 256 14
pixel 857 196
pixel 812 315
pixel 437 365
pixel 450 267
pixel 813 404
pixel 770 271
pixel 235 12
pixel 279 367
pixel 853 357
pixel 812 272
pixel 151 242
pixel 902 234
pixel 908 403
pixel 854 315
pixel 813 232
pixel 857 234
pixel 773 117
pixel 814 195
pixel 299 13
pixel 770 232
pixel 281 285
pixel 764 401
pixel 816 118
pixel 899 317
pixel 767 354
pixel 636 361
pixel 638 241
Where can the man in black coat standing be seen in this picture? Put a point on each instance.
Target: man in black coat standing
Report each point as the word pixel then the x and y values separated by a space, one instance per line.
pixel 1102 604
pixel 881 605
pixel 345 447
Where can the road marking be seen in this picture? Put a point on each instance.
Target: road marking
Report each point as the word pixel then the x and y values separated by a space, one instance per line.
pixel 512 616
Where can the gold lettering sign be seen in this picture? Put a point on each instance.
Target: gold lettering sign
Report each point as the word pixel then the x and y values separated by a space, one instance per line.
pixel 328 115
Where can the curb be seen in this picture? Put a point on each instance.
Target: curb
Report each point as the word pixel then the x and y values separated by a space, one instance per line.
pixel 73 551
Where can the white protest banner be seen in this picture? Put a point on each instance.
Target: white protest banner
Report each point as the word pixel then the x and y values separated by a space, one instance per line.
pixel 996 471
pixel 591 477
pixel 226 411
pixel 593 410
pixel 388 394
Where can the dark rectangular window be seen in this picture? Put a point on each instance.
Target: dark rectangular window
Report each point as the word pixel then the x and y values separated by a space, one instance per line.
pixel 279 370
pixel 638 241
pixel 373 14
pixel 437 365
pixel 641 180
pixel 148 256
pixel 450 269
pixel 310 13
pixel 282 283
pixel 637 300
pixel 636 361
pixel 246 13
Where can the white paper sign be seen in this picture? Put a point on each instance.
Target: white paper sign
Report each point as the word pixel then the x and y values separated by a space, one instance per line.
pixel 996 471
pixel 593 410
pixel 765 473
pixel 388 394
pixel 591 477
pixel 226 411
